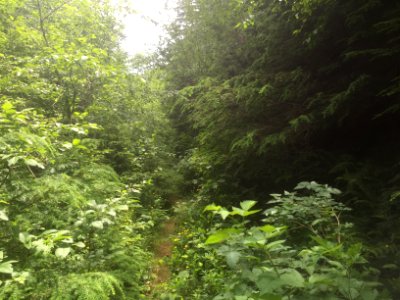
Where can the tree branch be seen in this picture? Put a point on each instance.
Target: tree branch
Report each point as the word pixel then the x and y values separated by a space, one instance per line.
pixel 41 22
pixel 56 9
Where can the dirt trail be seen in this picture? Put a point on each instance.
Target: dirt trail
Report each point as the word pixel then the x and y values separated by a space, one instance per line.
pixel 160 272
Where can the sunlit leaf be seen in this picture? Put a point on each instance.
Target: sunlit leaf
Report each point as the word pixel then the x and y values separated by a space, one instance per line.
pixel 80 245
pixel 220 236
pixel 3 216
pixel 212 207
pixel 6 267
pixel 62 252
pixel 246 205
pixel 34 163
pixel 97 224
pixel 224 213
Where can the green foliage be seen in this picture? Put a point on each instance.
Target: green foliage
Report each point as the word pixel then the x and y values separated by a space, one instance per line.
pixel 246 261
pixel 317 213
pixel 71 227
pixel 198 273
pixel 278 92
pixel 88 286
pixel 64 219
pixel 261 95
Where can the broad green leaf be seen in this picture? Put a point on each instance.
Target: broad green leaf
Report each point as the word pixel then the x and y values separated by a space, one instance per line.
pixel 268 283
pixel 272 231
pixel 67 145
pixel 293 278
pixel 76 142
pixel 232 258
pixel 68 240
pixel 107 221
pixel 61 235
pixel 24 238
pixel 97 224
pixel 246 205
pixel 336 264
pixel 12 161
pixel 220 236
pixel 251 212
pixel 34 163
pixel 112 213
pixel 317 221
pixel 6 267
pixel 78 130
pixel 320 278
pixel 62 252
pixel 224 213
pixel 183 275
pixel 237 211
pixel 80 244
pixel 3 216
pixel 268 228
pixel 212 207
pixel 122 207
pixel 274 244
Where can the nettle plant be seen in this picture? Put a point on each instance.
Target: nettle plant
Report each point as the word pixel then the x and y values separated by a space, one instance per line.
pixel 266 263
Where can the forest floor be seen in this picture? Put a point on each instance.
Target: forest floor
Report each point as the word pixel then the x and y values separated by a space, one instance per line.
pixel 162 247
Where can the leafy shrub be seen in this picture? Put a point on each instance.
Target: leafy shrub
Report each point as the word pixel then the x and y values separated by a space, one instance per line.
pixel 258 262
pixel 70 223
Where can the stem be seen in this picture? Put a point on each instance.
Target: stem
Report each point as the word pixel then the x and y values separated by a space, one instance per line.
pixel 30 170
pixel 337 217
pixel 273 265
pixel 6 177
pixel 348 284
pixel 55 9
pixel 43 18
pixel 41 22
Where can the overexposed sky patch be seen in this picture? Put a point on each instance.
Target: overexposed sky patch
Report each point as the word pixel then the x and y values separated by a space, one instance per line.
pixel 145 27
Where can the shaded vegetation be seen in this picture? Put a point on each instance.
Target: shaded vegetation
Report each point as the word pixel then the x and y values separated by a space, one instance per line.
pixel 272 93
pixel 244 99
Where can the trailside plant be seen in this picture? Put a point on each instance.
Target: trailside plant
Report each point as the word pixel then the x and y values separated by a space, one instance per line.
pixel 69 225
pixel 198 271
pixel 264 261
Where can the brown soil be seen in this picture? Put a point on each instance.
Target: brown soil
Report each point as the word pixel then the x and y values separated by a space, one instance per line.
pixel 160 272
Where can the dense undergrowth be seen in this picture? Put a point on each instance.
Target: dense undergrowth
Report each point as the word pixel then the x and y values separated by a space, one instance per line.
pixel 82 146
pixel 299 248
pixel 271 93
pixel 71 228
pixel 244 99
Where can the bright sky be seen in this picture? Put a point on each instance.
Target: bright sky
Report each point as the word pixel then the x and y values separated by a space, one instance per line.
pixel 144 28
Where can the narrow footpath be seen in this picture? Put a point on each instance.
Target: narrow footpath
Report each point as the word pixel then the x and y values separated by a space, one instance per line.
pixel 160 272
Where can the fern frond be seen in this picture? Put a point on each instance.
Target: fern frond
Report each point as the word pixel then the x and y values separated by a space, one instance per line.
pixel 88 286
